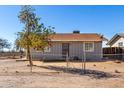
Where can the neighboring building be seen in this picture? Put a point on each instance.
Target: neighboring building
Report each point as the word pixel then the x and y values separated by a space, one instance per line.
pixel 117 40
pixel 115 49
pixel 74 45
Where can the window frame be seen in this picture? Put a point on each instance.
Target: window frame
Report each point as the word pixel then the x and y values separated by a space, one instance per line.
pixel 121 43
pixel 91 50
pixel 47 49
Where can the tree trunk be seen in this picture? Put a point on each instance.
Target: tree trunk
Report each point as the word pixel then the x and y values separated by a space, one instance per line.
pixel 28 45
pixel 29 58
pixel 26 52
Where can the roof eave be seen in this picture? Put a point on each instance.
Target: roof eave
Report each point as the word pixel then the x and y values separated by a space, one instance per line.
pixel 111 40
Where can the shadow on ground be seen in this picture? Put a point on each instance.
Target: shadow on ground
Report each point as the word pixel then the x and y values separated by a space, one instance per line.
pixel 91 73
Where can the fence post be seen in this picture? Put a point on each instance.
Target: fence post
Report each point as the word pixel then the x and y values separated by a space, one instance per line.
pixel 84 60
pixel 82 63
pixel 67 61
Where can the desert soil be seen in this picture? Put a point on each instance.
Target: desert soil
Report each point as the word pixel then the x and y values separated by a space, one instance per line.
pixel 55 75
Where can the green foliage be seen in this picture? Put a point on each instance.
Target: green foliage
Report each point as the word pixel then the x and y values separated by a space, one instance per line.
pixel 4 44
pixel 35 34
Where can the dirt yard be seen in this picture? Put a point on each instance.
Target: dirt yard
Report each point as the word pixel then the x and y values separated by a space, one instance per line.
pixel 55 74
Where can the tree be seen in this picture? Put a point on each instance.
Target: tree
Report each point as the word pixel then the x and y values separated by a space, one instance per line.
pixel 34 34
pixel 4 44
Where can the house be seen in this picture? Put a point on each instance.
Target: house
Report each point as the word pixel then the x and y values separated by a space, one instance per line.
pixel 75 46
pixel 116 47
pixel 117 40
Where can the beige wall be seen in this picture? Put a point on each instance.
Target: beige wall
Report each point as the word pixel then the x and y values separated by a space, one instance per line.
pixel 119 40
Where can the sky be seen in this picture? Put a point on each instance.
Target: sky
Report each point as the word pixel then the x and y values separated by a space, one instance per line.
pixel 106 20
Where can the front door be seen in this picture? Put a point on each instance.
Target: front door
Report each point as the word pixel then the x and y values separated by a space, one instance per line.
pixel 65 49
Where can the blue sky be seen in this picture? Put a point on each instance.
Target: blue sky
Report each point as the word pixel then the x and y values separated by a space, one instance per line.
pixel 106 20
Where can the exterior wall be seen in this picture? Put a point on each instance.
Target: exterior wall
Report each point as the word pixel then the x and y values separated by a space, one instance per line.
pixel 116 43
pixel 76 49
pixel 55 53
pixel 97 54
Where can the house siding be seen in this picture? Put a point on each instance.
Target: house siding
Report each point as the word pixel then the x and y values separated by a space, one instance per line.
pixel 96 54
pixel 75 50
pixel 55 53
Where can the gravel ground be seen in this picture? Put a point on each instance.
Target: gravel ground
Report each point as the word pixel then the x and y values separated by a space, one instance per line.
pixel 47 75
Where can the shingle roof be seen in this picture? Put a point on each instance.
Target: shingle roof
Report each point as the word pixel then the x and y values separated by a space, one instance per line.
pixel 76 37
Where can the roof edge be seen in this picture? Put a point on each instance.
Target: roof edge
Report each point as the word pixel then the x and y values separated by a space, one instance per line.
pixel 109 42
pixel 78 33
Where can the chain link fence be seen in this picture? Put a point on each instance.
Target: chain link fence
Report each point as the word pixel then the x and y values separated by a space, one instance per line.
pixel 12 55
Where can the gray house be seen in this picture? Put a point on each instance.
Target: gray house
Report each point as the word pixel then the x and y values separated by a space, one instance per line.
pixel 74 46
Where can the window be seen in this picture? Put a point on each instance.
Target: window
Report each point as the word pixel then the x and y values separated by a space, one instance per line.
pixel 120 44
pixel 47 49
pixel 89 46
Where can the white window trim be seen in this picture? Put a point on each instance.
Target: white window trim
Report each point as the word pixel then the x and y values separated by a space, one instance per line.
pixel 88 50
pixel 47 49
